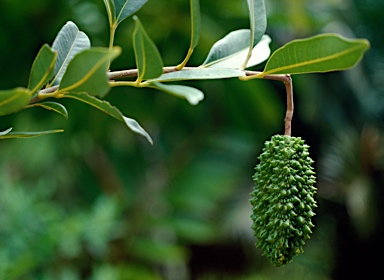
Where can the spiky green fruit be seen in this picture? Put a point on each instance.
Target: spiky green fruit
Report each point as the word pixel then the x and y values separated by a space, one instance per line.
pixel 283 198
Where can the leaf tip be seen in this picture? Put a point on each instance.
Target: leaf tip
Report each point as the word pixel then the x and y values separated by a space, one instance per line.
pixel 5 132
pixel 366 43
pixel 136 127
pixel 69 22
pixel 195 99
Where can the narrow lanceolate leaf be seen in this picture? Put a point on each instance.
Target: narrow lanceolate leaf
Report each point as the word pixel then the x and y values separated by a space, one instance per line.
pixel 126 8
pixel 195 31
pixel 199 74
pixel 110 7
pixel 321 53
pixel 259 54
pixel 53 106
pixel 148 59
pixel 192 95
pixel 107 108
pixel 29 134
pixel 87 71
pixel 42 69
pixel 258 20
pixel 258 25
pixel 5 131
pixel 195 23
pixel 232 43
pixel 13 100
pixel 232 50
pixel 68 42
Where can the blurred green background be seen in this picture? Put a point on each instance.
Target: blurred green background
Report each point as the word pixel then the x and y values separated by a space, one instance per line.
pixel 98 202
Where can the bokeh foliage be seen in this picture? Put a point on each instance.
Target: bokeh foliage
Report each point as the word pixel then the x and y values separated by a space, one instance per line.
pixel 97 202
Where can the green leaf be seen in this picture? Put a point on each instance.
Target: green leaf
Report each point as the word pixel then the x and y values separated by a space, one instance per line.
pixel 87 71
pixel 13 100
pixel 199 74
pixel 148 59
pixel 29 134
pixel 107 108
pixel 195 31
pixel 126 8
pixel 321 53
pixel 192 95
pixel 231 51
pixel 232 43
pixel 110 7
pixel 137 128
pixel 5 131
pixel 260 53
pixel 54 106
pixel 258 20
pixel 258 25
pixel 42 68
pixel 195 23
pixel 68 42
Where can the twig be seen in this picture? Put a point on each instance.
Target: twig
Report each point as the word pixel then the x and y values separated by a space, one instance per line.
pixel 290 106
pixel 286 79
pixel 134 72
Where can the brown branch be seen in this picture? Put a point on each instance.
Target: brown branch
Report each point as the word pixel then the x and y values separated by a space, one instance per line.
pixel 134 72
pixel 286 79
pixel 290 106
pixel 121 74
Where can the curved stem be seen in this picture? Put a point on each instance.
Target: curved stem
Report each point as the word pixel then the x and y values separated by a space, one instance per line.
pixel 287 80
pixel 249 54
pixel 112 31
pixel 182 64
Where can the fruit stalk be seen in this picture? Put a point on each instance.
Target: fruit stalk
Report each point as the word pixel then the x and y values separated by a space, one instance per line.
pixel 290 106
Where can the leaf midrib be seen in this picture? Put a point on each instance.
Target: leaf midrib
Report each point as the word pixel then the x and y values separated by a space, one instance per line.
pixel 10 99
pixel 42 80
pixel 87 76
pixel 66 57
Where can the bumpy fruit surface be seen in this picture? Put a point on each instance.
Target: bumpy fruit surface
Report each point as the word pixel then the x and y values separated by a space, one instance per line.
pixel 283 198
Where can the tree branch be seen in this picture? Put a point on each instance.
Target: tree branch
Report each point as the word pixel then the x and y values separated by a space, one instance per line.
pixel 134 72
pixel 286 79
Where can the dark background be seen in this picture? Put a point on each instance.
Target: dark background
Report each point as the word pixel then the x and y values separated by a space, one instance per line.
pixel 98 202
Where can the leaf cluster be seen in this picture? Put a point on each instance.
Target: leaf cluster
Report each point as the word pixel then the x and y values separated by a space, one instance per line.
pixel 71 68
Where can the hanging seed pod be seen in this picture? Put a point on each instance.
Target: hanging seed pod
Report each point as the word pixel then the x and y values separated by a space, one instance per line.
pixel 283 198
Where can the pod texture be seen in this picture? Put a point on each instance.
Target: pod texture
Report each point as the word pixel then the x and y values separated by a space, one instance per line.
pixel 283 198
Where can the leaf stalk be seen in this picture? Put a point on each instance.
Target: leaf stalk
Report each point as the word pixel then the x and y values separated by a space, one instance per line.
pixel 182 64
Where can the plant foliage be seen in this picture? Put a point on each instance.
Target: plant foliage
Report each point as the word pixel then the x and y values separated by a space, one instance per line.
pixel 73 66
pixel 73 69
